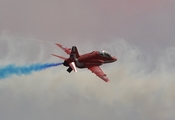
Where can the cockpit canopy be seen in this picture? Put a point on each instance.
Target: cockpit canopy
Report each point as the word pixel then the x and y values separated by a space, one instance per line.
pixel 105 54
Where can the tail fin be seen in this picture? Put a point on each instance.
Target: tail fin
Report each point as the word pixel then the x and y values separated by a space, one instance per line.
pixel 74 53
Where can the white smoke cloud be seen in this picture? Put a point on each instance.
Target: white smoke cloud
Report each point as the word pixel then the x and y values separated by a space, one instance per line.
pixel 140 88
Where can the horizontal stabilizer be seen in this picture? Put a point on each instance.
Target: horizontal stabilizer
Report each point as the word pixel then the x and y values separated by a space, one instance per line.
pixel 60 57
pixel 67 50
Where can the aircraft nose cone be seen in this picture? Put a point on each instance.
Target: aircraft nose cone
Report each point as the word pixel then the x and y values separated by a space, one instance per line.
pixel 114 58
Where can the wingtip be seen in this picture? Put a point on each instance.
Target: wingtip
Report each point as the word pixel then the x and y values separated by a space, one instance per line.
pixel 105 78
pixel 107 81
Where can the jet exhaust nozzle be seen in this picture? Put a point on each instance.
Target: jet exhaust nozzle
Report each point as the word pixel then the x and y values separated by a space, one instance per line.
pixel 65 63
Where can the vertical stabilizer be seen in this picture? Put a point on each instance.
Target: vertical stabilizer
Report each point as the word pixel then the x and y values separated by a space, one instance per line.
pixel 74 53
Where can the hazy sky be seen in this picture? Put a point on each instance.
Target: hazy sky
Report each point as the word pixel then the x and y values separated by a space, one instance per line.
pixel 139 32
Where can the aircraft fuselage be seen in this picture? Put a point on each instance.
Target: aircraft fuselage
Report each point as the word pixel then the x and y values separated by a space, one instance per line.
pixel 90 59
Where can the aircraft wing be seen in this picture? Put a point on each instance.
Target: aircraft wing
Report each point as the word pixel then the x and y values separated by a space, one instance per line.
pixel 67 50
pixel 97 70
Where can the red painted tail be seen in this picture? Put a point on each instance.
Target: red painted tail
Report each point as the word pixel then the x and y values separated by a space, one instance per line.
pixel 74 53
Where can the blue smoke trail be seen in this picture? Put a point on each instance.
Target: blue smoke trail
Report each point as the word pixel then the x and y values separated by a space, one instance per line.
pixel 9 70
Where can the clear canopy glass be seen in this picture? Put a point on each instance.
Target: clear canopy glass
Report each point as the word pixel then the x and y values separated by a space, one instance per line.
pixel 105 54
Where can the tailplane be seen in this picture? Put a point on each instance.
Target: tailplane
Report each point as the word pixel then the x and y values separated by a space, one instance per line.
pixel 60 57
pixel 70 62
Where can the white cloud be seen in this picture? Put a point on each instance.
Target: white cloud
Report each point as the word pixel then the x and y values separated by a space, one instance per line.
pixel 133 93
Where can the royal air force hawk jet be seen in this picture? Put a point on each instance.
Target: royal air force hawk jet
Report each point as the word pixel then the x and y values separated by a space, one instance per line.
pixel 91 60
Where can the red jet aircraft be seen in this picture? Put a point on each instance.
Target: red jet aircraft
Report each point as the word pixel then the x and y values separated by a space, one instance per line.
pixel 92 60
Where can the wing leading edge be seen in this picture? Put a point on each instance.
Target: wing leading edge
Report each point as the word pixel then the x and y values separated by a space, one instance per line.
pixel 97 70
